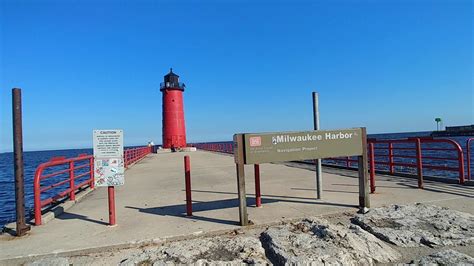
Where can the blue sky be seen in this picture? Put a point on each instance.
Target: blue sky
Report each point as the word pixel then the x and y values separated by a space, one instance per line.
pixel 249 66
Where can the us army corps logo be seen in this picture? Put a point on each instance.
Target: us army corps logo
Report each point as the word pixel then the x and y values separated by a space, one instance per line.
pixel 255 141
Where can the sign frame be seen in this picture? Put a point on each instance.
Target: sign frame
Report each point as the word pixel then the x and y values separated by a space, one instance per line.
pixel 242 144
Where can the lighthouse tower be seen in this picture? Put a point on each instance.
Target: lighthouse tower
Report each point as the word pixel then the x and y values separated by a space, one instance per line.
pixel 174 132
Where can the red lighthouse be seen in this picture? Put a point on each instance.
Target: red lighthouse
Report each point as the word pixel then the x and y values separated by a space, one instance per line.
pixel 174 132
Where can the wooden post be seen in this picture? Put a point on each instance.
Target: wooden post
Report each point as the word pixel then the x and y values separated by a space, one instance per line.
pixel 364 200
pixel 240 167
pixel 242 197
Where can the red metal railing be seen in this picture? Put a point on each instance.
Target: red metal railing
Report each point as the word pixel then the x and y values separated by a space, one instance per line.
pixel 468 157
pixel 67 185
pixel 134 155
pixel 399 155
pixel 412 155
pixel 66 171
pixel 215 147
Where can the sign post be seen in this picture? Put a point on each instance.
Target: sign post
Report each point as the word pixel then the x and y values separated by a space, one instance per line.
pixel 239 165
pixel 109 170
pixel 364 200
pixel 257 148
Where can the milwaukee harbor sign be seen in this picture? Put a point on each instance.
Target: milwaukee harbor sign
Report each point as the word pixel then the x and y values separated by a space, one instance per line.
pixel 258 148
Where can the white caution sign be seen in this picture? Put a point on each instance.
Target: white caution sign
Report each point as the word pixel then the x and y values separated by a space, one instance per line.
pixel 108 143
pixel 109 167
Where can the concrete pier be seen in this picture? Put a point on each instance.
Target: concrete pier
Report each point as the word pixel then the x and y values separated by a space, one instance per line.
pixel 151 205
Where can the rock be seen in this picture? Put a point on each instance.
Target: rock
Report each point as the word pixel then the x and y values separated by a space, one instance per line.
pixel 231 250
pixel 50 261
pixel 417 225
pixel 446 257
pixel 315 241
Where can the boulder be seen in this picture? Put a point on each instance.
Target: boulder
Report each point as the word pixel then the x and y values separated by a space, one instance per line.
pixel 315 241
pixel 418 224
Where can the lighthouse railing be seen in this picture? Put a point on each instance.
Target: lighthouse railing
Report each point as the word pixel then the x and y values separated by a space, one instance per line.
pixel 164 85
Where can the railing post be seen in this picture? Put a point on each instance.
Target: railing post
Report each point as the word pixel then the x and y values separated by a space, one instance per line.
pixel 461 167
pixel 468 158
pixel 372 167
pixel 125 153
pixel 91 169
pixel 258 196
pixel 187 179
pixel 419 163
pixel 37 195
pixel 390 157
pixel 72 192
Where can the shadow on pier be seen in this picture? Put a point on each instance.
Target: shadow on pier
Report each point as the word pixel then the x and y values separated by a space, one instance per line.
pixel 179 210
pixel 73 216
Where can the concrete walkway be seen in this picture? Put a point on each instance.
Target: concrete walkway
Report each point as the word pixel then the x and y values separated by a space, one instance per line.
pixel 150 206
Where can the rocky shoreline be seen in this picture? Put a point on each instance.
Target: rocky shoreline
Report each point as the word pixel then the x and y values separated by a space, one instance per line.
pixel 396 234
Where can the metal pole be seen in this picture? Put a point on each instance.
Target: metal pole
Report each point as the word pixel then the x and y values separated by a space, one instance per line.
pixel 187 179
pixel 21 227
pixel 461 167
pixel 468 159
pixel 111 192
pixel 319 174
